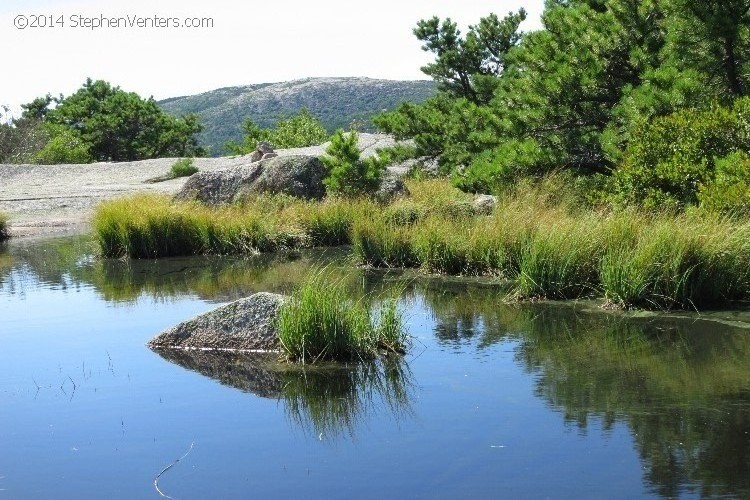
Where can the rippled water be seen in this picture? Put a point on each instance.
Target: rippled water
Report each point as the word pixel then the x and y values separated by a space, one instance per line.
pixel 494 400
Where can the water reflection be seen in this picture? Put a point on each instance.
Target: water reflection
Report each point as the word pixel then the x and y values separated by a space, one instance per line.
pixel 328 401
pixel 72 260
pixel 680 384
pixel 683 388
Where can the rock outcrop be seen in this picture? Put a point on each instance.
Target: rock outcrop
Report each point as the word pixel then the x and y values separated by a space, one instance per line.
pixel 484 204
pixel 246 324
pixel 391 186
pixel 300 176
pixel 262 150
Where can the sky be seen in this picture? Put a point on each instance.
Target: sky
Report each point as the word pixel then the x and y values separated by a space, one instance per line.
pixel 249 42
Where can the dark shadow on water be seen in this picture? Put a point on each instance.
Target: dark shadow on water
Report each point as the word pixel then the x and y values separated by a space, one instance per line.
pixel 329 400
pixel 254 373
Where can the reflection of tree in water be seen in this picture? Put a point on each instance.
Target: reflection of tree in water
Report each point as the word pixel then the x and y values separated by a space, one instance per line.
pixel 72 261
pixel 331 400
pixel 683 388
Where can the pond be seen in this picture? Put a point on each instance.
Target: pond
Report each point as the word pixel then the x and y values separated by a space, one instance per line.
pixel 494 399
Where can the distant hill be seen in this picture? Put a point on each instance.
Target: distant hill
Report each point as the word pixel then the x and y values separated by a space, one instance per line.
pixel 336 102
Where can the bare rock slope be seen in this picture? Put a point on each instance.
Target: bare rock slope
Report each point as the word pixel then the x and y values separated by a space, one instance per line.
pixel 47 199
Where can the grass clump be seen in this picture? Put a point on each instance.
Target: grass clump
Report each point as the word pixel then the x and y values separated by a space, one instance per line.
pixel 680 262
pixel 183 168
pixel 322 322
pixel 3 226
pixel 149 226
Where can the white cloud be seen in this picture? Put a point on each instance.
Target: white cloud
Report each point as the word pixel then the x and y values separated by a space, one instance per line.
pixel 251 42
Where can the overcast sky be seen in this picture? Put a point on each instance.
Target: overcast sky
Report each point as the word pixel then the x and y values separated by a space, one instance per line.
pixel 250 42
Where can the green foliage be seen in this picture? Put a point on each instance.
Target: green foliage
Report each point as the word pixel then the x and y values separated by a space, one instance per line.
pixel 119 126
pixel 713 38
pixel 64 146
pixel 574 94
pixel 20 139
pixel 147 226
pixel 729 191
pixel 493 169
pixel 669 158
pixel 297 131
pixel 321 322
pixel 184 167
pixel 468 67
pixel 348 174
pixel 538 238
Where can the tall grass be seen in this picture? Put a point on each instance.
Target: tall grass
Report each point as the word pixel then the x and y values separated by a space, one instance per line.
pixel 322 322
pixel 552 248
pixel 539 236
pixel 3 226
pixel 151 226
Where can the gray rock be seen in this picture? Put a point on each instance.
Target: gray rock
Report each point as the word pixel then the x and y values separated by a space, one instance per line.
pixel 261 151
pixel 425 165
pixel 264 148
pixel 245 324
pixel 267 156
pixel 300 176
pixel 484 204
pixel 391 186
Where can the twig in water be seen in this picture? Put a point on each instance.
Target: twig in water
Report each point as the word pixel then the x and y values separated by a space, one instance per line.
pixel 156 479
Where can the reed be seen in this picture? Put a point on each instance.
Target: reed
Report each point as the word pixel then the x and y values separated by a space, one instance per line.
pixel 322 322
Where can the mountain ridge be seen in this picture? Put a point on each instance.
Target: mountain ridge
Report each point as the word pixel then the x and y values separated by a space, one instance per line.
pixel 335 101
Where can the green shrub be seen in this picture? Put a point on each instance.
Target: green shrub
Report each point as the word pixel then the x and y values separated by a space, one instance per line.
pixel 297 131
pixel 669 158
pixel 729 190
pixel 64 146
pixel 498 168
pixel 322 322
pixel 348 174
pixel 183 168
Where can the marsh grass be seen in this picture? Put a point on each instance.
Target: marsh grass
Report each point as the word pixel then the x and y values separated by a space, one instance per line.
pixel 322 321
pixel 539 236
pixel 680 261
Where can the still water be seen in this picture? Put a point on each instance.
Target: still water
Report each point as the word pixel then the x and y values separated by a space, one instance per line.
pixel 494 400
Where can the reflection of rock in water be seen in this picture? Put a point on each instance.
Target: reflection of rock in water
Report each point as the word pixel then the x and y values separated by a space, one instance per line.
pixel 329 400
pixel 248 372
